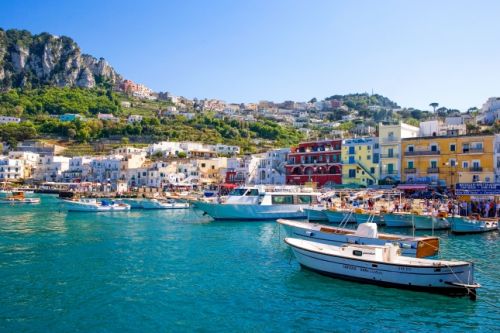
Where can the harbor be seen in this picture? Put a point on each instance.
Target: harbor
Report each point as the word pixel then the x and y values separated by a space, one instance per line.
pixel 184 266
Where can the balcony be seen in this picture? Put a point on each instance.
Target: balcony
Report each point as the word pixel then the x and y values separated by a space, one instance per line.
pixel 389 155
pixel 390 172
pixel 389 140
pixel 475 150
pixel 432 170
pixel 476 169
pixel 410 170
pixel 422 152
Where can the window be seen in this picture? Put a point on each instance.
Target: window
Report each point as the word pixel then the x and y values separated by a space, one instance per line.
pixel 390 152
pixel 202 165
pixel 372 170
pixel 433 164
pixel 453 147
pixel 352 173
pixel 357 253
pixel 369 157
pixel 282 199
pixel 465 148
pixel 465 164
pixel 351 150
pixel 410 165
pixel 452 162
pixel 252 193
pixel 475 178
pixel 304 199
pixel 434 147
pixel 476 164
pixel 411 148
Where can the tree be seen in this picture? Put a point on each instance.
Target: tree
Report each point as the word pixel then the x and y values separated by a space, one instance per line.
pixel 181 154
pixel 313 100
pixel 124 140
pixel 434 105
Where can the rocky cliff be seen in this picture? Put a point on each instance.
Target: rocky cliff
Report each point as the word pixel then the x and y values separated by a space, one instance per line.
pixel 31 61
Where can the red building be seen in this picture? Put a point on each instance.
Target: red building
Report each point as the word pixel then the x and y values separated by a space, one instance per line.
pixel 317 161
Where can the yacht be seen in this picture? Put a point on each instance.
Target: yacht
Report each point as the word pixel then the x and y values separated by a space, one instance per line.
pixel 260 203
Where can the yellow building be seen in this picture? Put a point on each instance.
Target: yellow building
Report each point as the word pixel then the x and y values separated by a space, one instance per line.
pixel 448 160
pixel 360 161
pixel 390 136
pixel 211 170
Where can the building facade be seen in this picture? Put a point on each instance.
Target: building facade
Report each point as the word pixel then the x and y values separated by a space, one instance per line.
pixel 360 161
pixel 315 161
pixel 449 160
pixel 390 149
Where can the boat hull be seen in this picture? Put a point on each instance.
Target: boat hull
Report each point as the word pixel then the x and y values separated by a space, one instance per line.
pixel 337 236
pixel 431 223
pixel 336 217
pixel 150 204
pixel 461 225
pixel 438 280
pixel 363 218
pixel 85 207
pixel 398 220
pixel 316 214
pixel 250 212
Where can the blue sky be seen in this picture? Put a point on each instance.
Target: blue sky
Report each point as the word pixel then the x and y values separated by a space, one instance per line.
pixel 414 52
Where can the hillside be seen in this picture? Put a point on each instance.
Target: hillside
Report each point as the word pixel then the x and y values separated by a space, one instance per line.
pixel 32 61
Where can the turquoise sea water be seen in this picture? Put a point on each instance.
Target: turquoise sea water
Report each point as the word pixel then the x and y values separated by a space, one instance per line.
pixel 151 271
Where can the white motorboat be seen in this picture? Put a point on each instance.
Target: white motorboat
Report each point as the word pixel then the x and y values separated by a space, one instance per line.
pixel 384 265
pixel 133 202
pixel 163 204
pixel 92 205
pixel 259 203
pixel 365 234
pixel 472 225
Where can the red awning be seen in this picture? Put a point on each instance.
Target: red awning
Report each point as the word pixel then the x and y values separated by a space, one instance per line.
pixel 229 185
pixel 412 187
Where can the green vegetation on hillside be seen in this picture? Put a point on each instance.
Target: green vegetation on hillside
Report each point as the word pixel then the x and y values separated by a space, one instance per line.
pixel 40 110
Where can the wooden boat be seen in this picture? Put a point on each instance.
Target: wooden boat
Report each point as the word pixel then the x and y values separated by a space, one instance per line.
pixel 417 220
pixel 363 215
pixel 92 205
pixel 384 265
pixel 19 198
pixel 472 225
pixel 366 234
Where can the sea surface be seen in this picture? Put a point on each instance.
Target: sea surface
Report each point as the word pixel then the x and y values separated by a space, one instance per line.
pixel 177 271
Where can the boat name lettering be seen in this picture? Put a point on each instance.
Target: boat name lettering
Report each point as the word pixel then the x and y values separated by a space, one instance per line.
pixel 370 270
pixel 351 267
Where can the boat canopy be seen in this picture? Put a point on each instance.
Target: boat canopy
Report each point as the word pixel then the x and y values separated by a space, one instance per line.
pixel 412 187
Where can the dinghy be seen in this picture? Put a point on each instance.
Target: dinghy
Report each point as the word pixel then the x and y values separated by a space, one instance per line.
pixel 384 265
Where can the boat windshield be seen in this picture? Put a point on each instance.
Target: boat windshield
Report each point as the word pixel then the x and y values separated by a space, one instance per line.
pixel 244 191
pixel 238 192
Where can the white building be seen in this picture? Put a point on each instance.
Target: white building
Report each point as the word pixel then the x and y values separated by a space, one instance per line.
pixel 226 150
pixel 490 111
pixel 51 168
pixel 107 116
pixel 79 169
pixel 7 120
pixel 271 167
pixel 11 169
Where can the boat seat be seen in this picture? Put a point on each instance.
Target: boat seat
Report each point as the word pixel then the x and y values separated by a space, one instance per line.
pixel 368 230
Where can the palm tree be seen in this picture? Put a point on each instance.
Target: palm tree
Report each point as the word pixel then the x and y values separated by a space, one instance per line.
pixel 434 105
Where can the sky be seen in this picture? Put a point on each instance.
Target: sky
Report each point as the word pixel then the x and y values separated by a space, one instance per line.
pixel 415 52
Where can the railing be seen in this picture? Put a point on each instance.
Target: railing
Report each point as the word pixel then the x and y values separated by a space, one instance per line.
pixel 476 169
pixel 389 155
pixel 410 170
pixel 422 152
pixel 472 150
pixel 390 172
pixel 432 170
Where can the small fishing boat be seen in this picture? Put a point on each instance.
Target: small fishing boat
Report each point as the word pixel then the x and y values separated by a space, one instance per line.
pixel 19 198
pixel 92 205
pixel 384 265
pixel 365 234
pixel 472 225
pixel 399 219
pixel 363 215
pixel 430 222
pixel 316 213
pixel 163 204
pixel 134 203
